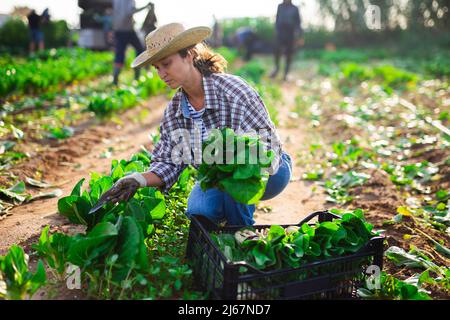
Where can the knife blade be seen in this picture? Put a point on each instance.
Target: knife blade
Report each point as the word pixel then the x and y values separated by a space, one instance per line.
pixel 98 206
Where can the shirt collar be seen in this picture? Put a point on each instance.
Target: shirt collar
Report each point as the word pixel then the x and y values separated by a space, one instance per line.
pixel 211 101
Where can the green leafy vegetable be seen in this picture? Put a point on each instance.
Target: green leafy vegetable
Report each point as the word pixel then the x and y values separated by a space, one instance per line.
pixel 16 281
pixel 235 166
pixel 294 246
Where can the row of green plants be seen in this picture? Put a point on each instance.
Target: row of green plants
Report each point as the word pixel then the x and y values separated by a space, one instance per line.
pixel 356 155
pixel 435 63
pixel 57 123
pixel 38 75
pixel 105 105
pixel 126 251
pixel 388 77
pixel 390 140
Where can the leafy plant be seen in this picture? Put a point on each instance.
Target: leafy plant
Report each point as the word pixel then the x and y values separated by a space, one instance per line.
pixel 408 174
pixel 104 105
pixel 16 281
pixel 394 289
pixel 348 153
pixel 337 187
pixel 6 153
pixel 54 249
pixel 390 77
pixel 410 260
pixel 314 175
pixel 112 255
pixel 252 71
pixel 38 75
pixel 60 132
pixel 76 206
pixel 16 192
pixel 235 166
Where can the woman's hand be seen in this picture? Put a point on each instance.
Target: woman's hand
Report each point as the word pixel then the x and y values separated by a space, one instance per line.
pixel 125 188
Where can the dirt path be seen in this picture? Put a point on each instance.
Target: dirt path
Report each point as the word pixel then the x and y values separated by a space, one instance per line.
pixel 299 199
pixel 74 160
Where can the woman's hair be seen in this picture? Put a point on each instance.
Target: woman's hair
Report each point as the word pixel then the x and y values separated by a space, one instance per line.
pixel 205 60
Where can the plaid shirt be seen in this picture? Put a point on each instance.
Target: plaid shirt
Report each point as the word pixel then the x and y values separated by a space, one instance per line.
pixel 229 102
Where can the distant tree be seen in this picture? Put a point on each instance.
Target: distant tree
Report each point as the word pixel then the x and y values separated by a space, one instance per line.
pixel 14 35
pixel 56 33
pixel 348 15
pixel 429 14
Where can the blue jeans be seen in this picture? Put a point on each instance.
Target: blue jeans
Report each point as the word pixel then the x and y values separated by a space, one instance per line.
pixel 36 35
pixel 218 206
pixel 122 39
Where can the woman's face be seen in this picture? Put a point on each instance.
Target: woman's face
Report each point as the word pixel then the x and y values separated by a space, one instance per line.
pixel 174 70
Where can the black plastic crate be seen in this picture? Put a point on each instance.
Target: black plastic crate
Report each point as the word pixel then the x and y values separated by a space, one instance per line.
pixel 334 278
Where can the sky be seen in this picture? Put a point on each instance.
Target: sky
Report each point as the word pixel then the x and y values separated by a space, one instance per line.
pixel 189 12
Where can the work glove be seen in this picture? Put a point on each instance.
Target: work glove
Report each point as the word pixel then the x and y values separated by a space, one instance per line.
pixel 125 188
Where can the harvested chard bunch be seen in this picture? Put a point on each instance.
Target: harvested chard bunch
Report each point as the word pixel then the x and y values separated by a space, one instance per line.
pixel 235 164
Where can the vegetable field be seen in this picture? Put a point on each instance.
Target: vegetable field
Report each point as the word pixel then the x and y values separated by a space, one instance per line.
pixel 368 132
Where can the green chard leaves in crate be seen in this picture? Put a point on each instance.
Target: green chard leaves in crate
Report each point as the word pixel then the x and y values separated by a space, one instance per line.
pixel 277 247
pixel 235 164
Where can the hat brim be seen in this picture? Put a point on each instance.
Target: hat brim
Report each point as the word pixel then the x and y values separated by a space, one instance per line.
pixel 185 39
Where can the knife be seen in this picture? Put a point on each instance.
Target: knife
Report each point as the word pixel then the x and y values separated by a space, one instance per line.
pixel 98 206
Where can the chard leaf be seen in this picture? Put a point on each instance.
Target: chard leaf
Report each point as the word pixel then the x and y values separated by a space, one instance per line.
pixel 36 183
pixel 244 191
pixel 129 240
pixel 76 209
pixel 76 191
pixel 52 194
pixel 86 248
pixel 401 257
pixel 15 192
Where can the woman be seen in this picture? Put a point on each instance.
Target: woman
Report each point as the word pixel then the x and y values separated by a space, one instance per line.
pixel 207 98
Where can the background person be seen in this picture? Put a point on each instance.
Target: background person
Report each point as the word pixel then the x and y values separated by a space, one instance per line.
pixel 36 34
pixel 217 34
pixel 106 20
pixel 287 28
pixel 124 34
pixel 245 39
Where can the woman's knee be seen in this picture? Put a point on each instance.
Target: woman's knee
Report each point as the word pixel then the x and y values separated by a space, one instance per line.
pixel 278 182
pixel 206 203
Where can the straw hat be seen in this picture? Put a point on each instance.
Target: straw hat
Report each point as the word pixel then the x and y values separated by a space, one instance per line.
pixel 167 40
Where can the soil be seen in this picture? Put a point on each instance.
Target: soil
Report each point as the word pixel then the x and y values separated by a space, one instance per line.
pixel 299 199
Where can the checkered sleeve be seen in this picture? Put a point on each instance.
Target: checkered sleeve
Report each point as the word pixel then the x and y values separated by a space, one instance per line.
pixel 162 164
pixel 257 118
